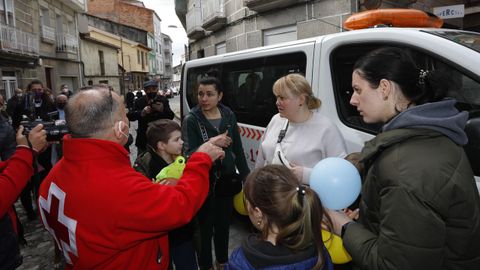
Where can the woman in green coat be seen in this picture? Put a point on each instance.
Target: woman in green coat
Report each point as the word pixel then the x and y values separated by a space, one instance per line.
pixel 420 208
pixel 214 122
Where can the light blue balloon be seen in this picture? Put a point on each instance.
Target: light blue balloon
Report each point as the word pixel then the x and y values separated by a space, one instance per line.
pixel 336 181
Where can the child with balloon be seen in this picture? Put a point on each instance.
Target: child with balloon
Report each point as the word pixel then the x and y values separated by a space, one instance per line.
pixel 289 217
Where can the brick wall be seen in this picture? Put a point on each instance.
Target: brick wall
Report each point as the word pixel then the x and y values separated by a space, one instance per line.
pixel 103 9
pixel 123 13
pixel 135 16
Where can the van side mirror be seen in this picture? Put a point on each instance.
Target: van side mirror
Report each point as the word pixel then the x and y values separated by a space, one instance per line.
pixel 473 146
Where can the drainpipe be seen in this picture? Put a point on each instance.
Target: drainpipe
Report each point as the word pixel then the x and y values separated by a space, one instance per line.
pixel 79 56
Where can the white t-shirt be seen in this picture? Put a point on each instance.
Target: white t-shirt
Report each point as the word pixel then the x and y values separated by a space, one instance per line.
pixel 304 144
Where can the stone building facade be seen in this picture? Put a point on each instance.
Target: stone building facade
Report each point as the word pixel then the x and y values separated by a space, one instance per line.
pixel 59 43
pixel 133 53
pixel 134 13
pixel 220 26
pixel 39 40
pixel 167 61
pixel 100 62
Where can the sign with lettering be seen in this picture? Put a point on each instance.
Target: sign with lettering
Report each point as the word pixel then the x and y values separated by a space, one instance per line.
pixel 450 12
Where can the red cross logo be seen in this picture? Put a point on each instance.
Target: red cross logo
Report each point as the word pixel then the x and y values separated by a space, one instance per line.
pixel 61 227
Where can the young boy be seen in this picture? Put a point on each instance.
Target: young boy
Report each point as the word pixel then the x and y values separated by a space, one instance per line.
pixel 164 144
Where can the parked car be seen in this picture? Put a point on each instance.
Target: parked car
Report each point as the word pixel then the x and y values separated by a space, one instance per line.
pixel 175 90
pixel 168 93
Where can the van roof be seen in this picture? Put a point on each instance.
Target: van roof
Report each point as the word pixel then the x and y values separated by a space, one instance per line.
pixel 318 39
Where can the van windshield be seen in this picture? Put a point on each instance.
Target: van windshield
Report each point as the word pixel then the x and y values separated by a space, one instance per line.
pixel 467 39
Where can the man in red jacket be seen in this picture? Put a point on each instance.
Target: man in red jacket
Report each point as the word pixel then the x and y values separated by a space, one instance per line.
pixel 100 211
pixel 14 175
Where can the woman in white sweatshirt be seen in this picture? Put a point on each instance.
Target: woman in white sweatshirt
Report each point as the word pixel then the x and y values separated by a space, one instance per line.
pixel 298 136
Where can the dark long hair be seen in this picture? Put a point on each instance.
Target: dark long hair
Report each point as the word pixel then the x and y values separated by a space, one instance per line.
pixel 397 65
pixel 298 215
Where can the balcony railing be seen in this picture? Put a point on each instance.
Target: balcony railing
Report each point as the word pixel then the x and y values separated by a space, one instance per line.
pixel 194 22
pixel 48 34
pixel 213 14
pixel 17 41
pixel 67 43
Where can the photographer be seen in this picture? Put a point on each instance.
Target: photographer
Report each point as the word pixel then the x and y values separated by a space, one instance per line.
pixel 14 175
pixel 36 104
pixel 148 109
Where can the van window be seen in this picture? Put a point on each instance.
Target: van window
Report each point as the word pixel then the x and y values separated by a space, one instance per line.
pixel 248 84
pixel 466 90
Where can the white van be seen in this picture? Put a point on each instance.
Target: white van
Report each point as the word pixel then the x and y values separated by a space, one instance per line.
pixel 327 61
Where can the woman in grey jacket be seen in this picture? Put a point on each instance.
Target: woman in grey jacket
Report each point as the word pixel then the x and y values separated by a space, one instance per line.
pixel 420 208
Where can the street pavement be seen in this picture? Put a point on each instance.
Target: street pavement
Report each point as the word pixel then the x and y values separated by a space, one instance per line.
pixel 39 252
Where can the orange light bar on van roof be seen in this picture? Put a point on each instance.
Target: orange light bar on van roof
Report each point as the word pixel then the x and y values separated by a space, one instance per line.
pixel 396 17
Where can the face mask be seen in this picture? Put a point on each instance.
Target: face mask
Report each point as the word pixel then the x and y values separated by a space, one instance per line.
pixel 19 95
pixel 38 95
pixel 151 95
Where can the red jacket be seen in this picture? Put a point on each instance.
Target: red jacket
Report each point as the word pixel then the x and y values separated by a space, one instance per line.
pixel 15 173
pixel 105 215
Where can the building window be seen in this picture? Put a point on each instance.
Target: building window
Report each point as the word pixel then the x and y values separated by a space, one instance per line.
pixel 200 53
pixel 45 17
pixel 342 59
pixel 7 12
pixel 102 63
pixel 138 56
pixel 142 55
pixel 279 35
pixel 59 21
pixel 71 27
pixel 221 48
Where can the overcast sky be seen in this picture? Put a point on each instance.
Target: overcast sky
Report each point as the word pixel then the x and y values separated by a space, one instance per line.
pixel 165 9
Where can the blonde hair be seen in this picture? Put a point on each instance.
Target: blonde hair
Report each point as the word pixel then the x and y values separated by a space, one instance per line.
pixel 297 85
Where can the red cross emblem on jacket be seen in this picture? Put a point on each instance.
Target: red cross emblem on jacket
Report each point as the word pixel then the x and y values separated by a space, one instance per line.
pixel 61 227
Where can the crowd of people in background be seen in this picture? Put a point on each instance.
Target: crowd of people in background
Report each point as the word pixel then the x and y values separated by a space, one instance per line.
pixel 418 209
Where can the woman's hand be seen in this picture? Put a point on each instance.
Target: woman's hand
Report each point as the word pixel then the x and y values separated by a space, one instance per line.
pixel 222 140
pixel 353 214
pixel 338 220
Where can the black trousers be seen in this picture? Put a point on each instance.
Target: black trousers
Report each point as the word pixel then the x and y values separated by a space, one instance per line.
pixel 214 220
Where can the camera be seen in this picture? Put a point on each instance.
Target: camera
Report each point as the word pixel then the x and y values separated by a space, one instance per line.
pixel 55 129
